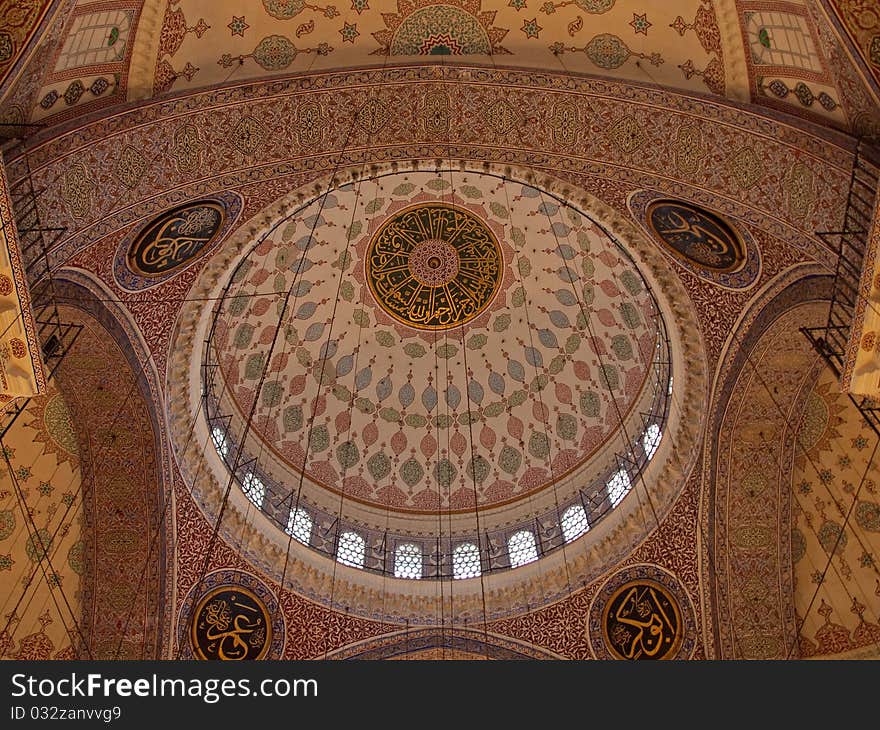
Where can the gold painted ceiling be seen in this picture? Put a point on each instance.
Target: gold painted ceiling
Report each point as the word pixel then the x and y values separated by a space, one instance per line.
pixel 780 54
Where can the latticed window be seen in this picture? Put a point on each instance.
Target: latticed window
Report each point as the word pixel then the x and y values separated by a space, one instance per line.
pixel 574 522
pixel 408 561
pixel 299 525
pixel 220 442
pixel 351 550
pixel 254 489
pixel 618 486
pixel 522 548
pixel 466 561
pixel 651 440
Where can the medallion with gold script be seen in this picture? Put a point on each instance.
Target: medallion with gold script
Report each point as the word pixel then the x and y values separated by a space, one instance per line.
pixel 434 266
pixel 700 237
pixel 642 620
pixel 175 238
pixel 231 623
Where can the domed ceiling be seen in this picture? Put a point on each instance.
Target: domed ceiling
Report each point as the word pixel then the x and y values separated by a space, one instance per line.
pixel 429 300
pixel 424 341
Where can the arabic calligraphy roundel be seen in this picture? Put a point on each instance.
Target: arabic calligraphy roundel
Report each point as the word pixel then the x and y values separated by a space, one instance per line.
pixel 705 243
pixel 167 245
pixel 641 613
pixel 175 237
pixel 234 617
pixel 231 624
pixel 696 234
pixel 434 266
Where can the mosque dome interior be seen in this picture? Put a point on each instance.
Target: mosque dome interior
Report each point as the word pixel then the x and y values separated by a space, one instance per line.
pixel 440 329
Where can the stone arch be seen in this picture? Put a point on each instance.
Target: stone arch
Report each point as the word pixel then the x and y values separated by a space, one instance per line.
pixel 435 643
pixel 763 380
pixel 108 383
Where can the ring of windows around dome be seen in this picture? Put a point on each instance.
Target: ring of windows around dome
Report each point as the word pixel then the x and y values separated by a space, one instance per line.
pixel 403 556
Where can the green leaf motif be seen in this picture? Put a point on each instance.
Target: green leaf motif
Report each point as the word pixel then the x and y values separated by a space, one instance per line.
pixel 477 342
pixel 498 209
pixel 374 206
pixel 414 350
pixel 385 338
pixel 360 318
pixel 469 191
pixel 403 189
pixel 501 323
pixel 447 351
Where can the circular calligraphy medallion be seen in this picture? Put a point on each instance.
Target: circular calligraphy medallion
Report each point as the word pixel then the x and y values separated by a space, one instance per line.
pixel 175 238
pixel 642 620
pixel 642 612
pixel 434 266
pixel 231 623
pixel 695 234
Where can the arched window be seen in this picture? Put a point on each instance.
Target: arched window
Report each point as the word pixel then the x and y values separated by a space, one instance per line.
pixel 574 522
pixel 351 550
pixel 254 489
pixel 618 486
pixel 299 525
pixel 220 443
pixel 651 440
pixel 408 561
pixel 521 548
pixel 466 561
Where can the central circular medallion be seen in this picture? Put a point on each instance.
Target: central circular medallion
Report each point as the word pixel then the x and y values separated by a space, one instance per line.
pixel 434 266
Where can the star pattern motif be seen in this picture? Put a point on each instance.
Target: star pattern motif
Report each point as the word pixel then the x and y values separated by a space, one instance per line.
pixel 349 32
pixel 640 23
pixel 531 28
pixel 238 26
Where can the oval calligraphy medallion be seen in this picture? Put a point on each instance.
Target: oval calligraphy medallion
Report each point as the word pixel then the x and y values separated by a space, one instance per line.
pixel 705 243
pixel 642 612
pixel 231 623
pixel 434 266
pixel 699 236
pixel 175 238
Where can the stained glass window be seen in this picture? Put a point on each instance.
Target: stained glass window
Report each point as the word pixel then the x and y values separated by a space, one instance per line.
pixel 299 525
pixel 254 489
pixel 220 442
pixel 574 522
pixel 466 561
pixel 618 486
pixel 651 440
pixel 351 550
pixel 408 561
pixel 522 548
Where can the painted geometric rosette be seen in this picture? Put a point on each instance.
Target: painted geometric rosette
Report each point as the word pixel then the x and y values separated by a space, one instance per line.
pixel 415 369
pixel 704 242
pixel 173 240
pixel 642 613
pixel 234 617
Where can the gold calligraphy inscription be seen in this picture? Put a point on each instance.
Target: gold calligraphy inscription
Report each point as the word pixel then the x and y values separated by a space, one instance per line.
pixel 642 620
pixel 700 237
pixel 434 266
pixel 231 623
pixel 175 238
